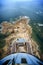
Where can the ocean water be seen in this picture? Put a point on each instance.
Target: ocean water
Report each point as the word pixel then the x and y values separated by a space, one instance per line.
pixel 13 9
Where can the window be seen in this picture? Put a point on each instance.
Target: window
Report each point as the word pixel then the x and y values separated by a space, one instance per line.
pixel 12 63
pixel 6 62
pixel 23 60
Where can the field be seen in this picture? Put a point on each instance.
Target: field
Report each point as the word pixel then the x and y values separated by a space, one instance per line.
pixel 37 34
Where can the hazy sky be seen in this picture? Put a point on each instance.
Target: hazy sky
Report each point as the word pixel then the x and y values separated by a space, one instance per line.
pixel 14 0
pixel 18 0
pixel 22 0
pixel 11 2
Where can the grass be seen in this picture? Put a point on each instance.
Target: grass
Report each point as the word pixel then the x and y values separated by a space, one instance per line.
pixel 38 39
pixel 2 40
pixel 37 36
pixel 2 43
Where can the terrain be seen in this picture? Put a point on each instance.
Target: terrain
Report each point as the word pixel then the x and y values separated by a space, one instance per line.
pixel 37 35
pixel 11 31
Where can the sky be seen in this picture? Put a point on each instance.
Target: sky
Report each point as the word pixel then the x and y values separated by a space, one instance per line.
pixel 20 0
pixel 11 2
